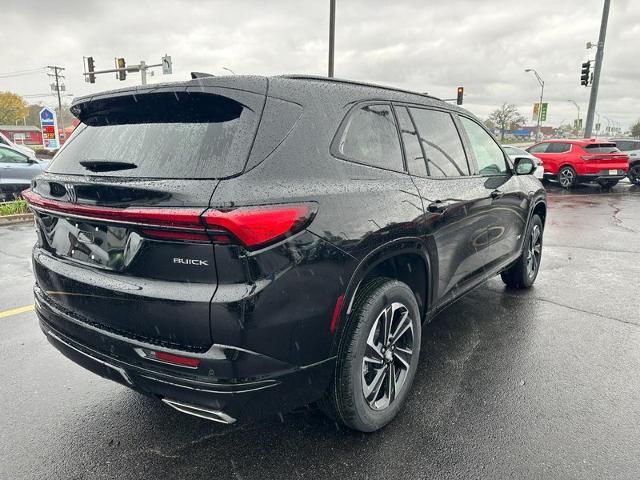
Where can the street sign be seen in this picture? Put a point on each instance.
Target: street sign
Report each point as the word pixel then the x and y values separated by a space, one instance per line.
pixel 543 113
pixel 536 106
pixel 49 128
pixel 167 65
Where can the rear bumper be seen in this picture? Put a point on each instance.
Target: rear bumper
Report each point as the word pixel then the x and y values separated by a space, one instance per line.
pixel 229 384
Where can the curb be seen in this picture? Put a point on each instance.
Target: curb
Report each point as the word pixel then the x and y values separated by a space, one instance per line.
pixel 18 218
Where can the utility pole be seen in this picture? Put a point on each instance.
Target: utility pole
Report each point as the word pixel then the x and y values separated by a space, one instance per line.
pixel 56 74
pixel 541 82
pixel 593 98
pixel 332 34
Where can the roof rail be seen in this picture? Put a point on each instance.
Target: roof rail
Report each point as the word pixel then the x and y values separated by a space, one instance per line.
pixel 195 75
pixel 354 82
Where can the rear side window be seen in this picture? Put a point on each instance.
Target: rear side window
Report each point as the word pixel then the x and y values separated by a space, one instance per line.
pixel 412 150
pixel 371 137
pixel 488 154
pixel 441 143
pixel 627 145
pixel 601 148
pixel 166 135
pixel 558 147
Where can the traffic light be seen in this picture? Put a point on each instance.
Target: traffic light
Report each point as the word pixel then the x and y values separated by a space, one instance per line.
pixel 91 68
pixel 584 74
pixel 120 63
pixel 460 95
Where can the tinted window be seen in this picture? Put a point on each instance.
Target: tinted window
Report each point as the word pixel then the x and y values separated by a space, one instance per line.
pixel 371 137
pixel 557 147
pixel 441 143
pixel 602 148
pixel 540 148
pixel 166 136
pixel 11 156
pixel 488 154
pixel 412 150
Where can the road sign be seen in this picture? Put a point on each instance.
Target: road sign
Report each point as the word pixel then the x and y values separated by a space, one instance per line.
pixel 49 128
pixel 167 65
pixel 543 113
pixel 536 106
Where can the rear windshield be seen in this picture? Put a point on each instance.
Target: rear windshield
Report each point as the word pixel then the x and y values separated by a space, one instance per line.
pixel 602 148
pixel 164 135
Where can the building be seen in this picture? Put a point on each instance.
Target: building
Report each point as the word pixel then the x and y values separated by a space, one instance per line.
pixel 22 134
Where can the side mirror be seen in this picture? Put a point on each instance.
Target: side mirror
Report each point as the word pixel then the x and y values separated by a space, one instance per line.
pixel 524 166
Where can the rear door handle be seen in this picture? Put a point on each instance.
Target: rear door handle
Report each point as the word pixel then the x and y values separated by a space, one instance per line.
pixel 437 206
pixel 496 194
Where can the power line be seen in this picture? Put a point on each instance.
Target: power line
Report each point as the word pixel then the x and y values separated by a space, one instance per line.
pixel 19 73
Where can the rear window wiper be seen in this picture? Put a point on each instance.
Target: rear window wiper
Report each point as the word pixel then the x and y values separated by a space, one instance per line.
pixel 106 165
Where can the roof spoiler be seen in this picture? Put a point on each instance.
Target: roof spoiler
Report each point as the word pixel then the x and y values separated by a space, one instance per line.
pixel 195 75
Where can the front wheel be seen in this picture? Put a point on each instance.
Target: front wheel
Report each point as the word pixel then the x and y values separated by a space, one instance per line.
pixel 524 271
pixel 634 174
pixel 567 177
pixel 377 357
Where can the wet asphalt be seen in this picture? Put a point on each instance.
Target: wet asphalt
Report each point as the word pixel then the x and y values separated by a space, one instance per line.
pixel 537 384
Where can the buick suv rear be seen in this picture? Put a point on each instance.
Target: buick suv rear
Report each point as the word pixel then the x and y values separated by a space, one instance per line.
pixel 237 246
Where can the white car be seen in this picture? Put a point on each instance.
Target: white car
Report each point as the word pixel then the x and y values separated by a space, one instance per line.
pixel 515 152
pixel 19 148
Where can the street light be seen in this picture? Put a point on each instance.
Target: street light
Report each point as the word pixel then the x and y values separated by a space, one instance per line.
pixel 541 82
pixel 229 70
pixel 578 122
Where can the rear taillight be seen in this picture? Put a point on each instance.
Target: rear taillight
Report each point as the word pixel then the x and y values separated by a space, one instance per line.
pixel 258 226
pixel 253 227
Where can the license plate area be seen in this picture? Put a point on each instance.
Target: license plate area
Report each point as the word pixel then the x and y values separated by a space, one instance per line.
pixel 613 172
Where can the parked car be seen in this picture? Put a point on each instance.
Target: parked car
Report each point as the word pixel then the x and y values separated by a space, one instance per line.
pixel 515 152
pixel 16 146
pixel 16 172
pixel 237 246
pixel 582 161
pixel 631 146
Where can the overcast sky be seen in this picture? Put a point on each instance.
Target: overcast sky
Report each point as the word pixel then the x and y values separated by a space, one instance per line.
pixel 421 45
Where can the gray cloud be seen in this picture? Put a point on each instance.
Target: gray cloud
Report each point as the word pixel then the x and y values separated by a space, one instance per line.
pixel 420 45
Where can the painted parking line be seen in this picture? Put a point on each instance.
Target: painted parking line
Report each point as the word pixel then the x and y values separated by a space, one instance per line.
pixel 16 311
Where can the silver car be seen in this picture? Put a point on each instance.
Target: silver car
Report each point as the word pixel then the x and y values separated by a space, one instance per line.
pixel 16 171
pixel 631 146
pixel 515 152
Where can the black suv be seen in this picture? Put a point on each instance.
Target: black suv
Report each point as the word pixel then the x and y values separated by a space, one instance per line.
pixel 242 245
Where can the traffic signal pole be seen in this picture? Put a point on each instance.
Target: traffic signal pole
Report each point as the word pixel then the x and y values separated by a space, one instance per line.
pixel 593 98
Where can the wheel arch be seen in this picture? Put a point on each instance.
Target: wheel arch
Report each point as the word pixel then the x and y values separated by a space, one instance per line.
pixel 409 260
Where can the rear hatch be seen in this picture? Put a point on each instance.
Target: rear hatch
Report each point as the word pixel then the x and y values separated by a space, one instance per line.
pixel 605 158
pixel 122 243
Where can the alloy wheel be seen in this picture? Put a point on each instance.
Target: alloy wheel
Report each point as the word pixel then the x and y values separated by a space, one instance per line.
pixel 534 251
pixel 566 178
pixel 387 358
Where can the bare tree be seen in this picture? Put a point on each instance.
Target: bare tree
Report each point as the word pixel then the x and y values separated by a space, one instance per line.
pixel 635 129
pixel 506 117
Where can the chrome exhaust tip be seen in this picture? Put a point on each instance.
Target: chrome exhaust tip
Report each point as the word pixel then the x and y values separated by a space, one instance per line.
pixel 199 411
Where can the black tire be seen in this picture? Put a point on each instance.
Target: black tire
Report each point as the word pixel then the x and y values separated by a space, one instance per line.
pixel 345 399
pixel 607 184
pixel 634 174
pixel 567 177
pixel 521 275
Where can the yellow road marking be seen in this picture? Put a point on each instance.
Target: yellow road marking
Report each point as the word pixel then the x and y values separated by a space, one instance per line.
pixel 16 311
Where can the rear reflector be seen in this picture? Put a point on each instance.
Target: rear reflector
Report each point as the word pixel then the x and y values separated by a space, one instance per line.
pixel 336 313
pixel 176 359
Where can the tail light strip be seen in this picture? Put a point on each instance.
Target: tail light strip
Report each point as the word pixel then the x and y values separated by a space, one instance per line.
pixel 253 227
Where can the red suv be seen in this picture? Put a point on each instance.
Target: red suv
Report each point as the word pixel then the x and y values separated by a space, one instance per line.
pixel 588 160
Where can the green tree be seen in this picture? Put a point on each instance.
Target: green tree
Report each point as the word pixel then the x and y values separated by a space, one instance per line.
pixel 13 108
pixel 635 129
pixel 507 116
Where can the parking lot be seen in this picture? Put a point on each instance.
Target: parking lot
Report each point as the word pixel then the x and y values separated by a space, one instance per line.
pixel 542 383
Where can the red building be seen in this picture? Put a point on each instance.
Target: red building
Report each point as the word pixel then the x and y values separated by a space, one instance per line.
pixel 22 134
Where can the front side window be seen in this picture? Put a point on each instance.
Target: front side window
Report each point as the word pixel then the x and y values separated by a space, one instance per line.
pixel 558 147
pixel 441 143
pixel 371 137
pixel 488 154
pixel 11 156
pixel 539 148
